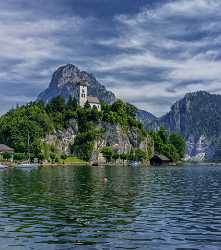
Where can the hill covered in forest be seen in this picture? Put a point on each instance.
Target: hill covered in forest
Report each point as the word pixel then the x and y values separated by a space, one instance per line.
pixel 61 128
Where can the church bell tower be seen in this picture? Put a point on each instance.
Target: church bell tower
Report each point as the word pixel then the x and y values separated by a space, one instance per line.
pixel 82 92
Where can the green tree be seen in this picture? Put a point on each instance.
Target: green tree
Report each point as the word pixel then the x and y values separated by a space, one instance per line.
pixel 131 110
pixel 107 153
pixel 84 144
pixel 123 157
pixel 95 115
pixel 140 155
pixel 110 117
pixel 52 157
pixel 72 104
pixel 17 124
pixel 163 134
pixel 179 143
pixel 7 156
pixel 170 151
pixel 172 146
pixel 115 156
pixel 57 104
pixel 131 155
pixel 20 156
pixel 105 107
pixel 118 107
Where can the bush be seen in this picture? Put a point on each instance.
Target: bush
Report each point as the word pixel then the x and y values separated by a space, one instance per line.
pixel 107 153
pixel 63 157
pixel 7 156
pixel 115 156
pixel 52 157
pixel 123 156
pixel 140 155
pixel 20 156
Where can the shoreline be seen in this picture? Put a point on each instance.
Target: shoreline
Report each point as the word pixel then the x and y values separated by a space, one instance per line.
pixel 13 165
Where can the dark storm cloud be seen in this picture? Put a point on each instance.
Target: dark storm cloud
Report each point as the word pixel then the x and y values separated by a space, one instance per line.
pixel 133 78
pixel 148 52
pixel 100 8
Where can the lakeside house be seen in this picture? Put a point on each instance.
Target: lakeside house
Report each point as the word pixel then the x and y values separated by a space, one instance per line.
pixel 6 149
pixel 83 97
pixel 159 159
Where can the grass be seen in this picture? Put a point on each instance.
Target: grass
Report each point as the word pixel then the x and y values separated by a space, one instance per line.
pixel 73 159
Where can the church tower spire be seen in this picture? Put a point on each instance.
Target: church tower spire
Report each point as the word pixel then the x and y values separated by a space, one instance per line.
pixel 82 92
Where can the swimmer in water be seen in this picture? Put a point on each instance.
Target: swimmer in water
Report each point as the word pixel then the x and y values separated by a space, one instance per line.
pixel 105 179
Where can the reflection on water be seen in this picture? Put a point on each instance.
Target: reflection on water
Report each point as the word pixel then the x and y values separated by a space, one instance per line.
pixel 146 208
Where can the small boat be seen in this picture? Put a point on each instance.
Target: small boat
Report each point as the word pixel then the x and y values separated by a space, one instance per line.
pixel 27 165
pixel 134 163
pixel 3 166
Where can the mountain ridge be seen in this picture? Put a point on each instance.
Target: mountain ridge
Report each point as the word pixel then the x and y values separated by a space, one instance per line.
pixel 197 116
pixel 64 83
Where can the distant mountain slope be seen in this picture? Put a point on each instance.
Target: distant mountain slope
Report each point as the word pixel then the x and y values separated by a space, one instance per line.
pixel 198 118
pixel 64 83
pixel 146 118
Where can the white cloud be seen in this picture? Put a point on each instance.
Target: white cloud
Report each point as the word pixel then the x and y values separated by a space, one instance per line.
pixel 133 60
pixel 197 69
pixel 28 42
pixel 181 36
pixel 190 8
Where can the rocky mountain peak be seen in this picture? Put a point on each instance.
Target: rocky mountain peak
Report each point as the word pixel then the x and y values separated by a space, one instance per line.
pixel 196 94
pixel 197 117
pixel 64 83
pixel 67 74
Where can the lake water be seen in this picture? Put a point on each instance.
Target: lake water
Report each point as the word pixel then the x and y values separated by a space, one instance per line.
pixel 143 208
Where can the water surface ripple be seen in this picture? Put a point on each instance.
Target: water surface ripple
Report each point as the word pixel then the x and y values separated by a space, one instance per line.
pixel 143 208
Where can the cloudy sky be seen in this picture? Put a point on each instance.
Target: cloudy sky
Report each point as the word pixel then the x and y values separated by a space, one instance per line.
pixel 149 52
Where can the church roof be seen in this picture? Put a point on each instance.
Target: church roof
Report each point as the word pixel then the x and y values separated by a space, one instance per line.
pixel 161 157
pixel 83 82
pixel 93 99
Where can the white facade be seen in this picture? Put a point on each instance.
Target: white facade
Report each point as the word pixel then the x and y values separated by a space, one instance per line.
pixel 83 97
pixel 97 105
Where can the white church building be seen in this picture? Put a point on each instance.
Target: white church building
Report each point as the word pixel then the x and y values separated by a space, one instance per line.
pixel 83 98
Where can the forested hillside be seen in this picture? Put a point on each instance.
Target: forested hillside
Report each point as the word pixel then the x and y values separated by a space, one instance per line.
pixel 61 128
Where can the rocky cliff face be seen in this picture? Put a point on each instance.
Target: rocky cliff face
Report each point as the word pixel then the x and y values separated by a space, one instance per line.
pixel 64 83
pixel 122 140
pixel 114 136
pixel 198 118
pixel 62 139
